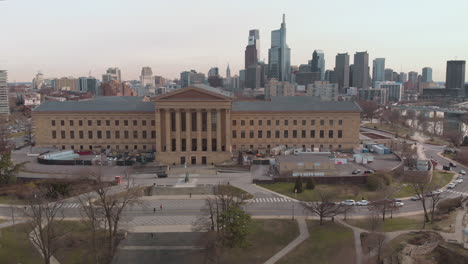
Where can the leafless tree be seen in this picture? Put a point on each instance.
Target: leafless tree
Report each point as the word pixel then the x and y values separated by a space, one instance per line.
pixel 411 116
pixel 44 219
pixel 420 190
pixel 29 132
pixel 454 137
pixel 423 123
pixel 324 207
pixel 434 199
pixel 111 204
pixel 93 219
pixel 368 108
pixel 383 203
pixel 408 152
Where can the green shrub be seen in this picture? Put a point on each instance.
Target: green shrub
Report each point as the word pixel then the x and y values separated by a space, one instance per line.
pixel 298 185
pixel 310 185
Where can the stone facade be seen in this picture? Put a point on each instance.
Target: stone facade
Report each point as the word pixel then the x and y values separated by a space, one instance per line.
pixel 192 125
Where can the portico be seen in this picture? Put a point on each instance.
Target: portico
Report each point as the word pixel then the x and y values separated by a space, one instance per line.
pixel 192 125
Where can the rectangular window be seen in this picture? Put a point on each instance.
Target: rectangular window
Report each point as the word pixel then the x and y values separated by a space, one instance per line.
pixel 107 122
pixel 294 133
pixel 340 133
pixel 90 134
pixel 62 134
pixel 135 122
pixel 81 134
pixel 72 134
pixel 135 134
pixel 52 122
pixel 183 120
pixel 322 133
pixel 143 134
pixel 277 122
pixel 90 122
pixel 268 122
pixel 125 122
pixel 260 134
pixel 286 134
pixel 108 134
pixel 268 135
pixel 322 122
pixel 117 134
pixel 242 134
pixel 312 122
pixel 330 133
pixel 251 122
pixel 143 122
pixel 71 122
pixel 99 134
pixel 234 134
pixel 234 122
pixel 153 134
pixel 330 122
pixel 54 134
pixel 80 122
pixel 303 134
pixel 260 122
pixel 126 134
pixel 312 133
pixel 99 122
pixel 340 122
pixel 295 122
pixel 242 122
pixel 204 121
pixel 153 122
pixel 277 134
pixel 304 122
pixel 251 134
pixel 117 122
pixel 286 122
pixel 62 122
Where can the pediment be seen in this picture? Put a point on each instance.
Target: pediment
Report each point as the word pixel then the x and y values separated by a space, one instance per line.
pixel 192 94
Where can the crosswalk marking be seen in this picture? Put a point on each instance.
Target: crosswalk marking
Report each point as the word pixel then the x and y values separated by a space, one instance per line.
pixel 270 200
pixel 457 192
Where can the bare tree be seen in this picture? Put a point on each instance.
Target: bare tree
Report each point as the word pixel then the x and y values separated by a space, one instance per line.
pixel 420 190
pixel 434 198
pixel 423 123
pixel 408 152
pixel 368 109
pixel 454 137
pixel 45 220
pixel 93 219
pixel 112 204
pixel 29 132
pixel 383 203
pixel 324 207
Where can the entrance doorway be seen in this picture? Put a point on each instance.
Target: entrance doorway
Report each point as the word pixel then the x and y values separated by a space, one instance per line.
pixel 193 160
pixel 182 160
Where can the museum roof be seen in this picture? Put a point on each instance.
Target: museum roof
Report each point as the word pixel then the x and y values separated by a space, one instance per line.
pixel 295 104
pixel 99 104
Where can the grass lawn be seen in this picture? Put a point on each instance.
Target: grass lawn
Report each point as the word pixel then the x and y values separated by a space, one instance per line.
pixel 15 246
pixel 402 131
pixel 11 200
pixel 408 223
pixel 18 134
pixel 266 237
pixel 328 244
pixel 440 178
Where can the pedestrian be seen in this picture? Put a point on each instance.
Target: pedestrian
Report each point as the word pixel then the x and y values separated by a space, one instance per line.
pixel 190 195
pixel 160 207
pixel 152 235
pixel 154 210
pixel 333 219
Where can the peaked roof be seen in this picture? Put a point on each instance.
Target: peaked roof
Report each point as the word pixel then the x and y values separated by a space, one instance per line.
pixel 196 92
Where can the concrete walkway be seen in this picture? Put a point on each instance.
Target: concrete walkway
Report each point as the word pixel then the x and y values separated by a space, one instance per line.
pixel 357 240
pixel 303 235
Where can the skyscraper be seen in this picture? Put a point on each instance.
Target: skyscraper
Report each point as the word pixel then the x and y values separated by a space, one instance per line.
pixel 252 51
pixel 378 70
pixel 279 55
pixel 318 63
pixel 426 74
pixel 38 82
pixel 112 74
pixel 88 84
pixel 4 105
pixel 361 70
pixel 389 75
pixel 188 78
pixel 413 77
pixel 228 72
pixel 403 77
pixel 455 75
pixel 342 70
pixel 146 80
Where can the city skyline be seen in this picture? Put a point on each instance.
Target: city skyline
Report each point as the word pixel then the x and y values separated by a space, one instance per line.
pixel 82 35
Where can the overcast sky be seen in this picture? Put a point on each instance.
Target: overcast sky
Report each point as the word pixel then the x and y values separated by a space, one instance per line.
pixel 71 38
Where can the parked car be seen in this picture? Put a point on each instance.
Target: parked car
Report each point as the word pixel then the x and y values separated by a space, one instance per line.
pixel 452 165
pixel 459 180
pixel 356 171
pixel 369 172
pixel 398 202
pixel 451 185
pixel 446 168
pixel 363 203
pixel 162 175
pixel 416 198
pixel 348 202
pixel 462 172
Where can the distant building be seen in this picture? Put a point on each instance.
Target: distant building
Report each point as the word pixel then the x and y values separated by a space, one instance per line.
pixel 455 75
pixel 426 75
pixel 213 72
pixel 342 70
pixel 361 70
pixel 112 74
pixel 277 88
pixel 66 84
pixel 394 90
pixel 306 78
pixel 159 81
pixel 188 78
pixel 146 81
pixel 253 76
pixel 318 63
pixel 330 76
pixel 4 103
pixel 305 68
pixel 324 90
pixel 279 55
pixel 378 71
pixel 403 77
pixel 389 75
pixel 38 81
pixel 252 51
pixel 88 84
pixel 114 88
pixel 378 95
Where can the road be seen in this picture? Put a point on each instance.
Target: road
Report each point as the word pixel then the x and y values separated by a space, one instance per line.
pixel 185 211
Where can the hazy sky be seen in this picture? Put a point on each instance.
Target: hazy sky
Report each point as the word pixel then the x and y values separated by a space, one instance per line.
pixel 71 38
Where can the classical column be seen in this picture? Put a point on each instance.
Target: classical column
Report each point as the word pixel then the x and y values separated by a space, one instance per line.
pixel 208 130
pixel 168 130
pixel 159 142
pixel 178 130
pixel 219 141
pixel 199 130
pixel 188 130
pixel 228 130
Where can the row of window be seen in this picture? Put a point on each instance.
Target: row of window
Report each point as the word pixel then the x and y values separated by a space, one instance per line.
pixel 304 147
pixel 331 122
pixel 100 122
pixel 117 147
pixel 100 134
pixel 295 134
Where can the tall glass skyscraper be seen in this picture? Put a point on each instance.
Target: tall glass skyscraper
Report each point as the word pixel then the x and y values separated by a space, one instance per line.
pixel 318 63
pixel 342 70
pixel 279 55
pixel 378 71
pixel 427 74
